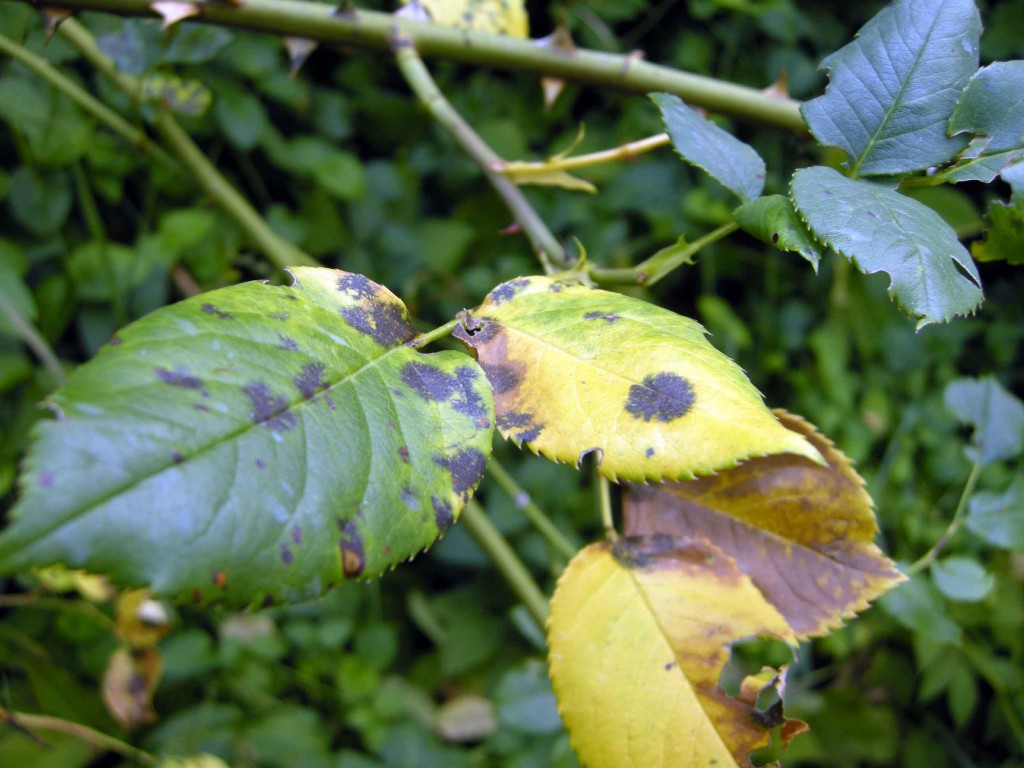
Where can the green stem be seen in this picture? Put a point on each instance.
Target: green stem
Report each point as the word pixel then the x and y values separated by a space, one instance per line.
pixel 505 560
pixel 533 513
pixel 954 525
pixel 85 100
pixel 368 29
pixel 33 340
pixel 431 336
pixel 604 500
pixel 651 270
pixel 548 249
pixel 523 171
pixel 96 739
pixel 278 251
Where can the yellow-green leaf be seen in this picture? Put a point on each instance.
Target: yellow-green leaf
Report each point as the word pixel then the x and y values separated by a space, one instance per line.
pixel 542 175
pixel 638 636
pixel 803 533
pixel 577 370
pixel 498 17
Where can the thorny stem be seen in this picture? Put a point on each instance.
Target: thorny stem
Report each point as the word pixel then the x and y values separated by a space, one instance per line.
pixel 533 513
pixel 651 270
pixel 33 340
pixel 85 100
pixel 506 561
pixel 212 181
pixel 99 741
pixel 521 170
pixel 327 23
pixel 548 249
pixel 954 525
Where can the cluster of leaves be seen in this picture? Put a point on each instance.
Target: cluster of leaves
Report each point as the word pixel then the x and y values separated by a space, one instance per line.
pixel 314 355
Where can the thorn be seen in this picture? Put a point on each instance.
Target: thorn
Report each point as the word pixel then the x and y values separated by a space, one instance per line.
pixel 54 17
pixel 345 8
pixel 414 11
pixel 173 11
pixel 299 49
pixel 552 88
pixel 559 41
pixel 512 229
pixel 780 88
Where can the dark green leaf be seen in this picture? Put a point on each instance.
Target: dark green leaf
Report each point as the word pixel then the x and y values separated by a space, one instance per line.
pixel 880 230
pixel 40 200
pixel 773 220
pixel 134 47
pixel 193 43
pixel 241 116
pixel 992 105
pixel 998 518
pixel 15 297
pixel 20 105
pixel 893 88
pixel 256 441
pixel 962 579
pixel 729 161
pixel 996 415
pixel 1004 234
pixel 341 175
pixel 917 606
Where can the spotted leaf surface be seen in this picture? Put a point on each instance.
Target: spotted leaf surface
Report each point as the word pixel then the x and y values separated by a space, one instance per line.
pixel 252 443
pixel 577 371
pixel 637 639
pixel 802 532
pixel 497 17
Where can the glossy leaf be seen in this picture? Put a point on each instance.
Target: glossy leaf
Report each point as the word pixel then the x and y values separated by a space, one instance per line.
pixel 638 637
pixel 983 168
pixel 894 87
pixel 998 518
pixel 996 415
pixel 577 371
pixel 802 532
pixel 700 142
pixel 773 220
pixel 880 230
pixel 497 17
pixel 992 105
pixel 252 442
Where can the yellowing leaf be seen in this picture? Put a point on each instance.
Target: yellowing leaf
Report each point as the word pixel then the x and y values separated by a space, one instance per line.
pixel 803 533
pixel 541 175
pixel 140 620
pixel 498 17
pixel 577 370
pixel 638 636
pixel 128 684
pixel 57 578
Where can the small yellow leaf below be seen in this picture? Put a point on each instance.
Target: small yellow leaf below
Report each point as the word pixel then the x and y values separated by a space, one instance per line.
pixel 579 371
pixel 804 533
pixel 541 175
pixel 497 17
pixel 638 636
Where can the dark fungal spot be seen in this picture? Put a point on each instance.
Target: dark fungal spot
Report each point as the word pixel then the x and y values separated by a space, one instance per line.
pixel 668 667
pixel 177 458
pixel 200 407
pixel 403 454
pixel 286 555
pixel 608 317
pixel 467 400
pixel 212 310
pixel 267 601
pixel 296 534
pixel 503 378
pixel 353 558
pixel 178 378
pixel 519 426
pixel 428 382
pixel 467 469
pixel 115 340
pixel 268 408
pixel 357 286
pixel 310 379
pixel 649 452
pixel 220 580
pixel 443 516
pixel 286 343
pixel 410 500
pixel 383 321
pixel 330 402
pixel 660 397
pixel 507 291
pixel 775 237
pixel 45 479
pixel 261 464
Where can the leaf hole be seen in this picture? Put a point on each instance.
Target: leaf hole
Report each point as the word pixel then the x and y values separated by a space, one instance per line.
pixel 965 273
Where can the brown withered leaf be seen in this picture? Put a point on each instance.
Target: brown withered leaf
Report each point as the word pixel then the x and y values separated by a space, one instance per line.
pixel 803 533
pixel 129 682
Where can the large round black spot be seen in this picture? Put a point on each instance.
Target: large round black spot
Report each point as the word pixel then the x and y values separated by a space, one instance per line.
pixel 661 397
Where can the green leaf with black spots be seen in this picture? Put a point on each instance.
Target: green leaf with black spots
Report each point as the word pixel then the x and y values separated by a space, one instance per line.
pixel 1004 234
pixel 992 105
pixel 729 161
pixel 880 230
pixel 255 442
pixel 894 87
pixel 773 220
pixel 579 371
pixel 996 415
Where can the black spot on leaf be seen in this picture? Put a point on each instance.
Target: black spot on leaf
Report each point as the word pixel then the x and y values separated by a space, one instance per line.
pixel 179 378
pixel 268 408
pixel 403 454
pixel 44 479
pixel 519 426
pixel 649 452
pixel 467 469
pixel 310 379
pixel 286 555
pixel 442 514
pixel 410 500
pixel 428 382
pixel 503 378
pixel 775 237
pixel 296 534
pixel 608 317
pixel 353 558
pixel 261 464
pixel 212 310
pixel 177 458
pixel 661 397
pixel 358 286
pixel 287 343
pixel 466 399
pixel 507 291
pixel 383 321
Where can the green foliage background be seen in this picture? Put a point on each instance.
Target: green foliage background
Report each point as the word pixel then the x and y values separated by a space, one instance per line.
pixel 343 163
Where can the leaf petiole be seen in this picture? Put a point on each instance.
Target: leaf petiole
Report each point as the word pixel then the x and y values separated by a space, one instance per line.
pixel 930 556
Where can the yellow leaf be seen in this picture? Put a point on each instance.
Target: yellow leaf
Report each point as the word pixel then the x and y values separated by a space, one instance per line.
pixel 194 761
pixel 539 174
pixel 804 533
pixel 577 371
pixel 498 17
pixel 129 682
pixel 638 636
pixel 140 621
pixel 57 578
